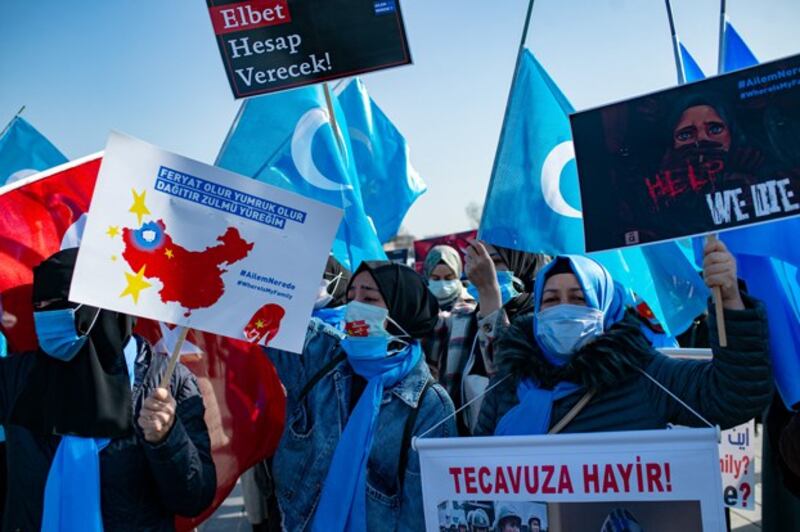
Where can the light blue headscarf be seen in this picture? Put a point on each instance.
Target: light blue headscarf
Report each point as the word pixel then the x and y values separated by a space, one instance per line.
pixel 532 414
pixel 72 491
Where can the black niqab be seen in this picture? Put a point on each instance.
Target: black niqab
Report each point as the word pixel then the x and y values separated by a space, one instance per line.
pixel 90 395
pixel 407 297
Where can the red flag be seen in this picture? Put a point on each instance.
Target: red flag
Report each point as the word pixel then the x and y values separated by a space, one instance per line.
pixel 243 396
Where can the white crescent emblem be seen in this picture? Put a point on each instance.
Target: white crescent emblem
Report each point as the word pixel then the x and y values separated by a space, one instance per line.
pixel 74 234
pixel 552 169
pixel 302 156
pixel 20 174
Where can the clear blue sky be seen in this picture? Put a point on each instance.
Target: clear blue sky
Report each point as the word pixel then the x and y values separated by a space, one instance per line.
pixel 151 68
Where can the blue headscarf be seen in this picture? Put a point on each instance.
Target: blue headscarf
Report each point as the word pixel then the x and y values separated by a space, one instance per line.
pixel 532 414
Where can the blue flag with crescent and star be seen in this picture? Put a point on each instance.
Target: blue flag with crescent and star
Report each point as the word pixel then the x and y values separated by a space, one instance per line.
pixel 533 202
pixel 389 183
pixel 24 151
pixel 287 140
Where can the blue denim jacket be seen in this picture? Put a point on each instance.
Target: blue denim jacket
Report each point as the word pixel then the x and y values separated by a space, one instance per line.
pixel 314 426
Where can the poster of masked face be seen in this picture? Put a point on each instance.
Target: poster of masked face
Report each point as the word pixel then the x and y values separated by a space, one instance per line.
pixel 713 155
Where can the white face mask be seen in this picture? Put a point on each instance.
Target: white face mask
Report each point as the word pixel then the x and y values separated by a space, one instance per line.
pixel 444 290
pixel 564 329
pixel 325 294
pixel 363 320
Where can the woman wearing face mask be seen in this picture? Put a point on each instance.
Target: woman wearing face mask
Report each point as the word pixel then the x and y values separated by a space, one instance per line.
pixel 501 282
pixel 354 403
pixel 443 270
pixel 569 366
pixel 93 442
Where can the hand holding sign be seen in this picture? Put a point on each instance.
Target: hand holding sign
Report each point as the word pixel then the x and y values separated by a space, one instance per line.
pixel 719 271
pixel 157 415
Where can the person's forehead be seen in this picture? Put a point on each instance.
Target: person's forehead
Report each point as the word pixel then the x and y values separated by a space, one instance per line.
pixel 700 112
pixel 562 281
pixel 364 279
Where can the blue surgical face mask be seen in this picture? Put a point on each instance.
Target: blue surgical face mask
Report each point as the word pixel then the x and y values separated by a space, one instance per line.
pixel 564 329
pixel 505 278
pixel 57 333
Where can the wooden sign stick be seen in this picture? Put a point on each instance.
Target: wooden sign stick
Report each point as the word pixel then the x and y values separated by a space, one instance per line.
pixel 720 312
pixel 173 359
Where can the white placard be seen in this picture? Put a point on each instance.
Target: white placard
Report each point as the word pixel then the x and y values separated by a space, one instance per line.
pixel 175 240
pixel 664 480
pixel 737 460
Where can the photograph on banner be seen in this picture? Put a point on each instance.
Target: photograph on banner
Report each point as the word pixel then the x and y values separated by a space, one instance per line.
pixel 458 241
pixel 717 154
pixel 737 460
pixel 479 515
pixel 272 45
pixel 656 480
pixel 182 242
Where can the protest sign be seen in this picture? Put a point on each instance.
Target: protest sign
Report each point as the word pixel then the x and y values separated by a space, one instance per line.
pixel 458 241
pixel 400 256
pixel 175 240
pixel 663 480
pixel 271 45
pixel 713 155
pixel 737 459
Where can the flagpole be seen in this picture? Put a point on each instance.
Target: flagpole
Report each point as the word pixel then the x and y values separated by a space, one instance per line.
pixel 12 121
pixel 722 29
pixel 501 139
pixel 675 46
pixel 332 114
pixel 230 132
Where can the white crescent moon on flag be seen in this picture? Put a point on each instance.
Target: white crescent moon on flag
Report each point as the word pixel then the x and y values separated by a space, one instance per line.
pixel 20 174
pixel 359 136
pixel 302 156
pixel 552 169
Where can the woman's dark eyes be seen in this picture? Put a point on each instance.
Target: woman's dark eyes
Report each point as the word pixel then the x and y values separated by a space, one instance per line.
pixel 716 129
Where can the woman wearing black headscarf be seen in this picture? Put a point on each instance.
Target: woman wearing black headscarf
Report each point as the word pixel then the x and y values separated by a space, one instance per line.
pixel 77 459
pixel 354 403
pixel 502 282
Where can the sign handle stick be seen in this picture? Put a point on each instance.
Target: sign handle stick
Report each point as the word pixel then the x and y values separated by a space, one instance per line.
pixel 720 312
pixel 334 124
pixel 173 359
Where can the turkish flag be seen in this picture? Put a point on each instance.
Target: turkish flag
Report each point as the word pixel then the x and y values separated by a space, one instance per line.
pixel 244 399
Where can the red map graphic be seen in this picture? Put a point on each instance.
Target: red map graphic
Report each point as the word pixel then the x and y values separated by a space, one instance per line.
pixel 191 278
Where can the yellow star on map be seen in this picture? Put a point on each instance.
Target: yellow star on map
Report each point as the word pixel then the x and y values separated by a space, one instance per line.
pixel 136 284
pixel 113 258
pixel 168 252
pixel 259 324
pixel 113 230
pixel 139 208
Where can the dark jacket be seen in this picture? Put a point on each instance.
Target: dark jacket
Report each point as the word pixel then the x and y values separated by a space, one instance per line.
pixel 143 485
pixel 734 387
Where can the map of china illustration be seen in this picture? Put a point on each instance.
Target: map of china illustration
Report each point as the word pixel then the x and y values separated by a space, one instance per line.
pixel 193 279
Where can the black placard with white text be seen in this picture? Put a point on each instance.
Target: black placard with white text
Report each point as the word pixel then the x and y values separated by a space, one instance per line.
pixel 718 154
pixel 272 45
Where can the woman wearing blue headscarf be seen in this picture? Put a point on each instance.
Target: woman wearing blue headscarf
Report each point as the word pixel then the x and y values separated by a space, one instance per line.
pixel 577 364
